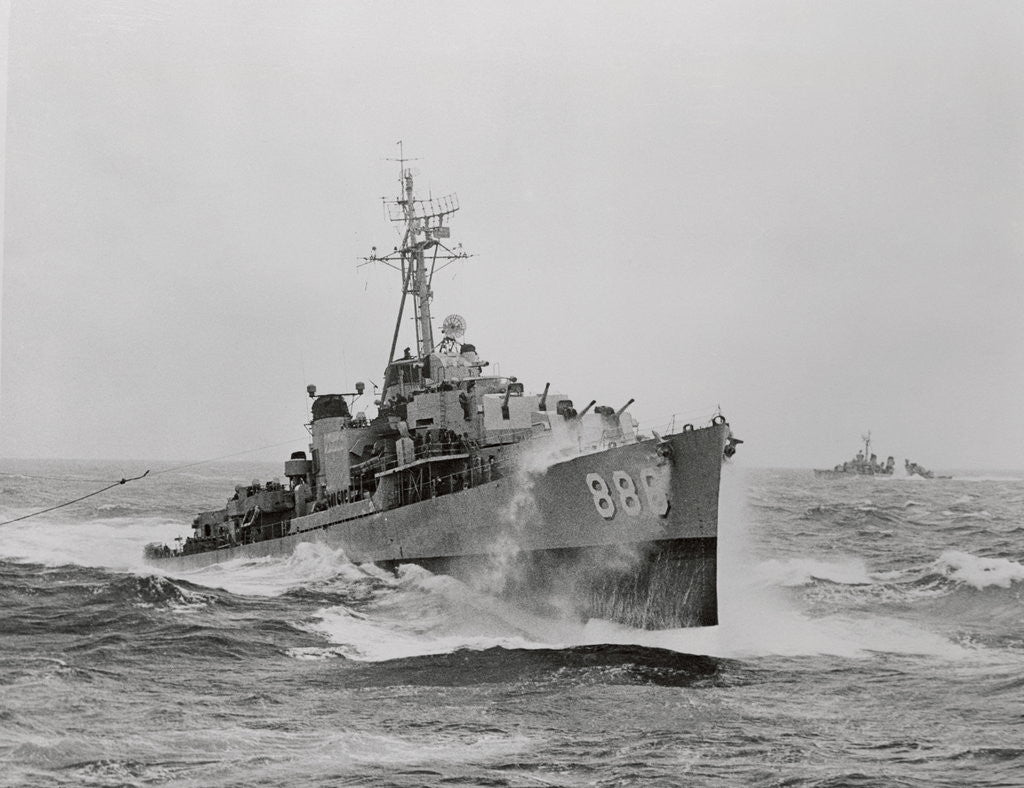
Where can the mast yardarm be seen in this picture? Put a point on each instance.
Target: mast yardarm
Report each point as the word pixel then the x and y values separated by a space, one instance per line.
pixel 420 255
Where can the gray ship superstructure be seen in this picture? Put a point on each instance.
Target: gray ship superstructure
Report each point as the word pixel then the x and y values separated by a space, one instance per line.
pixel 863 464
pixel 464 472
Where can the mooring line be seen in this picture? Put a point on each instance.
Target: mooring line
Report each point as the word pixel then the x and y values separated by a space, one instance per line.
pixel 222 457
pixel 135 478
pixel 68 503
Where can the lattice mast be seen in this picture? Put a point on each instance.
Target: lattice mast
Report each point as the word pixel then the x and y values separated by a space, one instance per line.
pixel 424 226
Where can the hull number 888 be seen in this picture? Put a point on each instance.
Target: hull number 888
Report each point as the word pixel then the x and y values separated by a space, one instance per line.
pixel 622 494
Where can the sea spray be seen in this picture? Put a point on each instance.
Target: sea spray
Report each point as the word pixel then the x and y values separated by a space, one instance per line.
pixel 979 572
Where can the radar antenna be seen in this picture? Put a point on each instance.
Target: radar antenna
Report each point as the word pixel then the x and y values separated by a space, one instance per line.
pixel 424 229
pixel 453 328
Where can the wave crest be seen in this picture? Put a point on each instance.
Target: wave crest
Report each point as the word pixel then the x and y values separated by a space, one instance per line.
pixel 156 591
pixel 979 572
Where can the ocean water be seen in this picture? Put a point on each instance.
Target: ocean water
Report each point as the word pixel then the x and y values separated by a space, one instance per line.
pixel 872 634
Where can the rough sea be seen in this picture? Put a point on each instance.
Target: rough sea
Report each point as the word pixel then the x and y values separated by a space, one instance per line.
pixel 872 634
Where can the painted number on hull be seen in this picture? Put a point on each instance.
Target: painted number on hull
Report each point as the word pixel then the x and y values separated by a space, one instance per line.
pixel 626 490
pixel 602 499
pixel 627 493
pixel 656 497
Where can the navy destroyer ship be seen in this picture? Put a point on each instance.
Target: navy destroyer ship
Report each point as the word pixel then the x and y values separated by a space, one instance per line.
pixel 464 472
pixel 865 463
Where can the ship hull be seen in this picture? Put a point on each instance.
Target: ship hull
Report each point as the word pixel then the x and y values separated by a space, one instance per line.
pixel 628 533
pixel 832 474
pixel 648 585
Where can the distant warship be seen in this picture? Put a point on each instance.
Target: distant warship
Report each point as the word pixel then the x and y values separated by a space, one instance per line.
pixel 864 464
pixel 465 473
pixel 913 469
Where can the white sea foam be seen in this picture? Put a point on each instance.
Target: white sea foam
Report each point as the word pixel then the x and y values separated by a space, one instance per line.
pixel 117 544
pixel 430 614
pixel 761 629
pixel 375 637
pixel 309 564
pixel 980 572
pixel 110 543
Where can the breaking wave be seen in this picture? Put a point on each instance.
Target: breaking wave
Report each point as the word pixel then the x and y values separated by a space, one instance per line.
pixel 979 572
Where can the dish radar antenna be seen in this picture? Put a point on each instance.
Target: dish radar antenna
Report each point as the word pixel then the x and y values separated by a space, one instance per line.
pixel 453 328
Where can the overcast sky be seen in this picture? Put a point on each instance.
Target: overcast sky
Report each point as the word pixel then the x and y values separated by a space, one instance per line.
pixel 809 213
